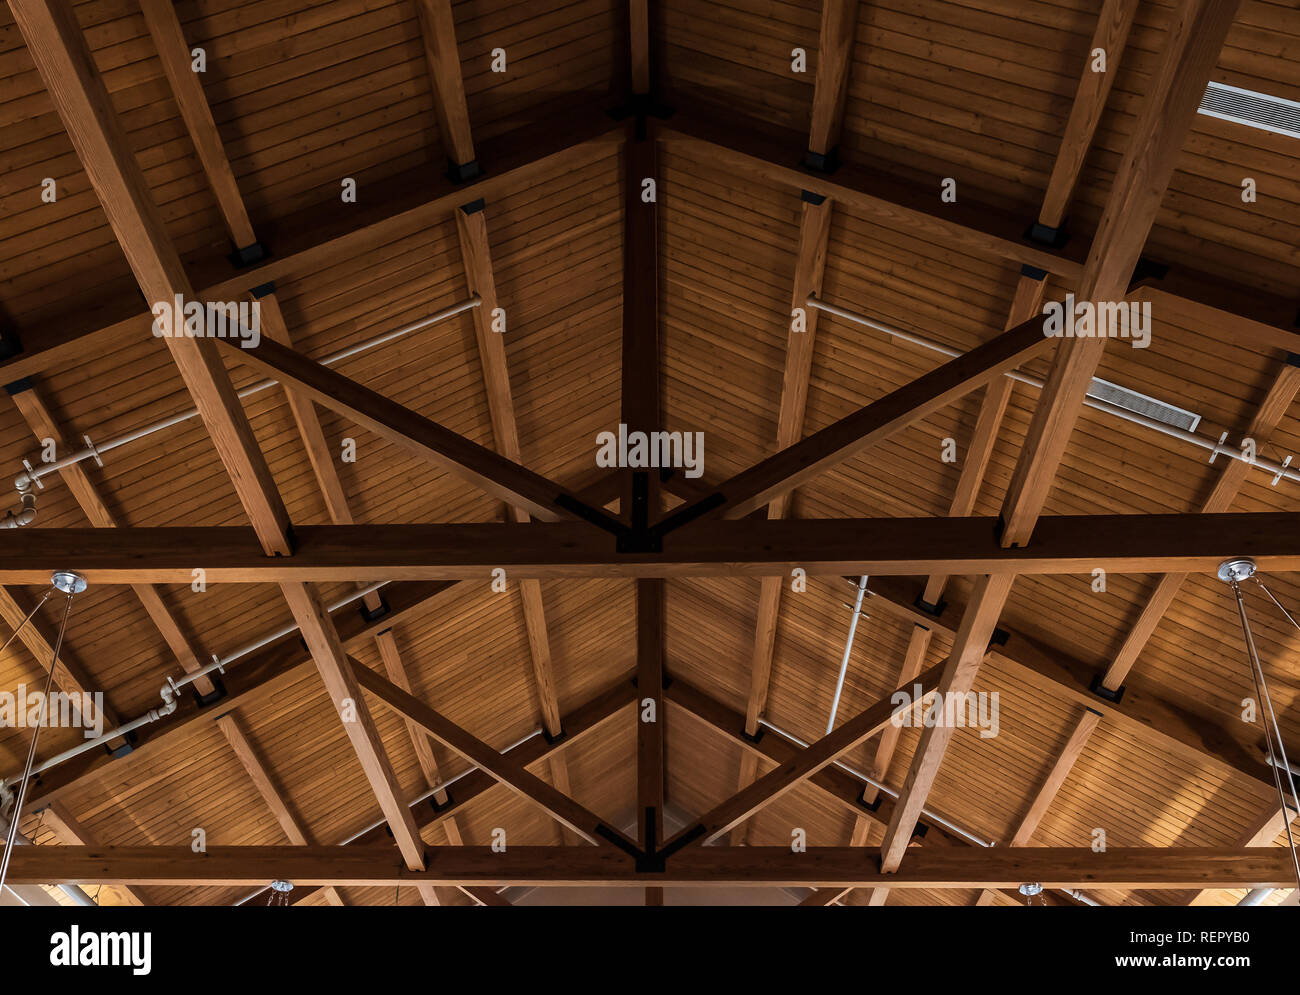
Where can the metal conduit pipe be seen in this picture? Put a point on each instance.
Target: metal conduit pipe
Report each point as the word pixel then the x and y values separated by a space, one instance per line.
pixel 1210 445
pixel 1256 896
pixel 932 816
pixel 424 796
pixel 32 475
pixel 170 692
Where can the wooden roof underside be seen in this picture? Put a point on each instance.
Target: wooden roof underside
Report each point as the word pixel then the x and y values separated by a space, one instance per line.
pixel 995 95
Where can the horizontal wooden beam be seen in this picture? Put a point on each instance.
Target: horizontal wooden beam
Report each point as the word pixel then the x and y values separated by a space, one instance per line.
pixel 1066 544
pixel 821 867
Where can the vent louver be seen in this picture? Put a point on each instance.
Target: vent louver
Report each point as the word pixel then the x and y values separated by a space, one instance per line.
pixel 1255 110
pixel 1140 404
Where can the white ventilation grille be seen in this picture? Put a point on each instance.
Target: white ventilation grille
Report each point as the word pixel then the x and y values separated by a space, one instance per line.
pixel 1255 110
pixel 1140 404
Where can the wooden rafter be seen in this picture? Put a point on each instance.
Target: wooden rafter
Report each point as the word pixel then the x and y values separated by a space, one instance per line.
pixel 471 227
pixel 312 240
pixel 438 31
pixel 834 57
pixel 742 149
pixel 993 404
pixel 1110 35
pixel 174 53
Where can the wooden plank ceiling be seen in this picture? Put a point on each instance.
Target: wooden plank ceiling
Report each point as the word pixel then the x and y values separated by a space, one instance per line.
pixel 297 97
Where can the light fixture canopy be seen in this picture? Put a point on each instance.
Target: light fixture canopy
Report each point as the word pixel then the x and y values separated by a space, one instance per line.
pixel 1242 568
pixel 68 582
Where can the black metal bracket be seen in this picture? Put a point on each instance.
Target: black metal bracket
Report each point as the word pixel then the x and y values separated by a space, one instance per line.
pixel 473 206
pixel 1053 238
pixel 18 386
pixel 449 803
pixel 808 197
pixel 587 513
pixel 552 740
pixel 1033 272
pixel 999 638
pixel 244 257
pixel 870 806
pixel 650 860
pixel 754 738
pixel 934 611
pixel 1147 269
pixel 463 172
pixel 683 840
pixel 919 832
pixel 617 839
pixel 642 106
pixel 1101 691
pixel 262 289
pixel 212 697
pixel 688 514
pixel 822 162
pixel 1292 358
pixel 10 343
pixel 374 616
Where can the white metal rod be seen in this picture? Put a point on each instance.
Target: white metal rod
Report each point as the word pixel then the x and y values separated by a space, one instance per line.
pixel 848 651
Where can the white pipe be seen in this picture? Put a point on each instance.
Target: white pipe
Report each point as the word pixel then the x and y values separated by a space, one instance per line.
pixel 1210 445
pixel 848 650
pixel 45 469
pixel 932 816
pixel 440 786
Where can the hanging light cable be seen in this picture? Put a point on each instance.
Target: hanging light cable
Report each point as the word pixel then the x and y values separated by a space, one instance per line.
pixel 70 584
pixel 1234 572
